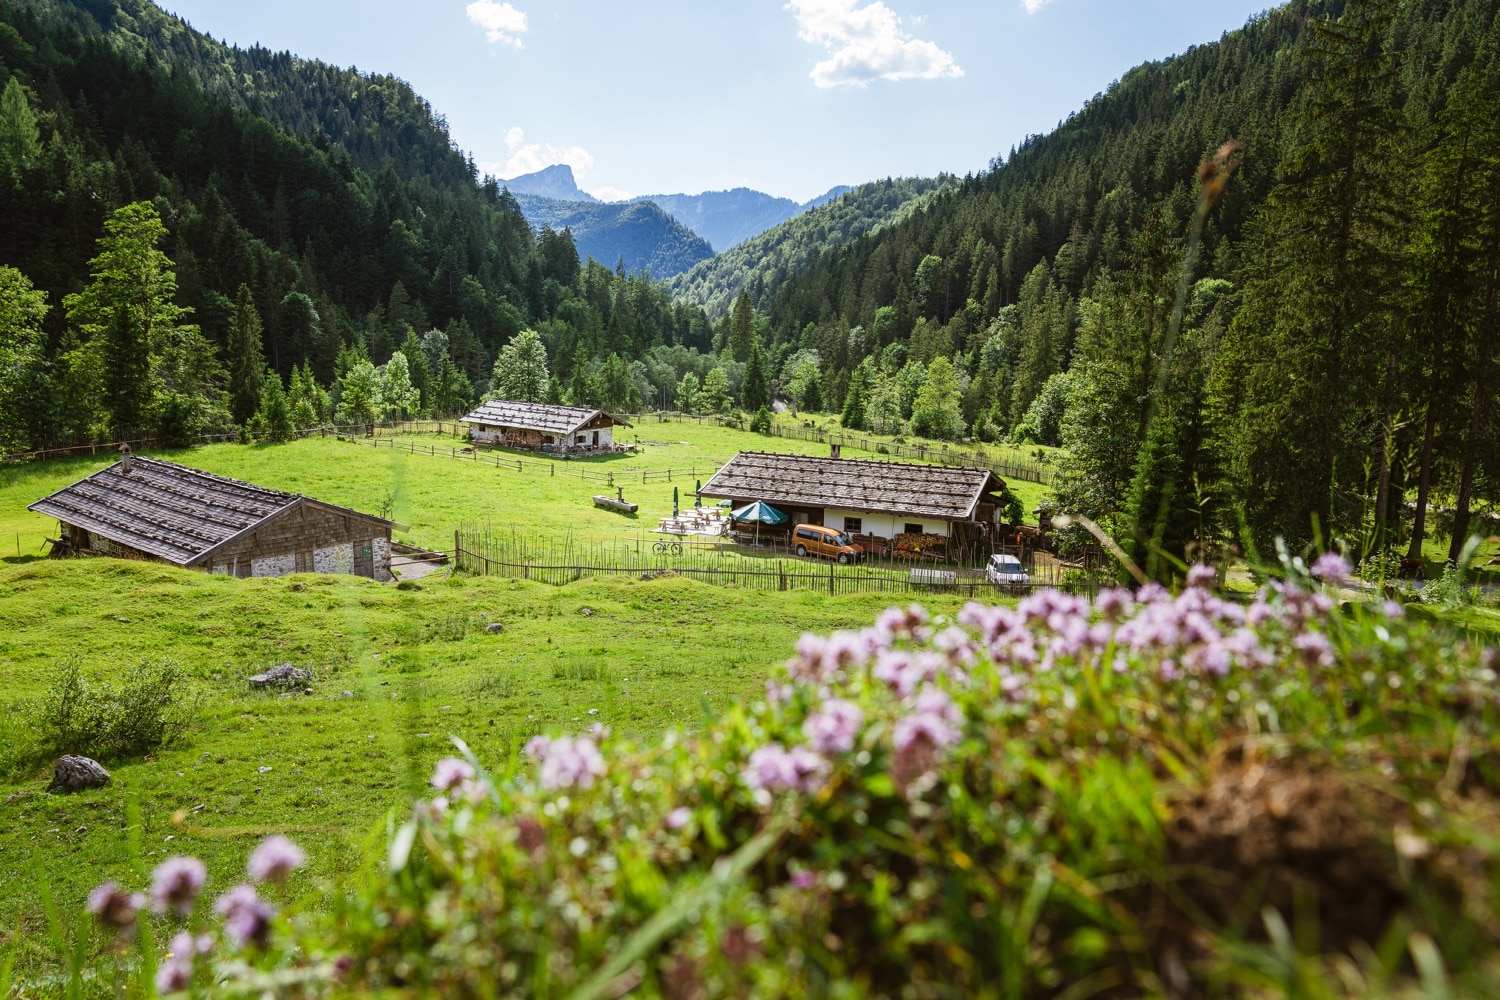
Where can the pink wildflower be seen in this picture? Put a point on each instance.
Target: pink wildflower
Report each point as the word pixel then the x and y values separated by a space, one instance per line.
pixel 567 763
pixel 1201 577
pixel 247 917
pixel 1331 567
pixel 934 719
pixel 114 907
pixel 275 859
pixel 775 768
pixel 1315 648
pixel 835 727
pixel 176 883
pixel 450 773
pixel 679 818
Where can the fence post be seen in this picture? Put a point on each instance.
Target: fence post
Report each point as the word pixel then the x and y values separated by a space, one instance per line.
pixel 830 579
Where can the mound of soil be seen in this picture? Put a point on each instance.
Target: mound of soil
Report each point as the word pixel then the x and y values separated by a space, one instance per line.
pixel 1289 837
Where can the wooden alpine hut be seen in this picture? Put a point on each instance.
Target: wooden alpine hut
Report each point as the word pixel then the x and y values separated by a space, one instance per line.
pixel 563 430
pixel 147 508
pixel 887 508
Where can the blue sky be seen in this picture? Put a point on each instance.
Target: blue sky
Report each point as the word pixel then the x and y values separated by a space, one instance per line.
pixel 668 96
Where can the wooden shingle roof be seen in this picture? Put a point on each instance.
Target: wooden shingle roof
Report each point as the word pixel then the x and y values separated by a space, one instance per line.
pixel 938 491
pixel 544 417
pixel 167 510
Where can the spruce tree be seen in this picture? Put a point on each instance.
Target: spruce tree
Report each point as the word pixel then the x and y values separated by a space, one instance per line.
pixel 742 328
pixel 755 392
pixel 246 360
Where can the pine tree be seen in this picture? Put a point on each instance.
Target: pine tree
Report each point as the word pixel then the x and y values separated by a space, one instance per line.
pixel 1307 350
pixel 128 305
pixel 20 140
pixel 742 328
pixel 853 416
pixel 246 361
pixel 755 392
pixel 274 419
pixel 24 392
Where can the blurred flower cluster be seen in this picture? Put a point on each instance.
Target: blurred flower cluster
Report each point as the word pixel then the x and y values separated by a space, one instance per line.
pixel 982 804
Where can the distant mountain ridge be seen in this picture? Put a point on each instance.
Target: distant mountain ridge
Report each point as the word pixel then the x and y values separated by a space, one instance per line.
pixel 729 218
pixel 688 228
pixel 555 182
pixel 640 233
pixel 763 263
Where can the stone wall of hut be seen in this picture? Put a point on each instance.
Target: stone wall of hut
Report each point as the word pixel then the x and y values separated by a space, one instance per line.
pixel 310 539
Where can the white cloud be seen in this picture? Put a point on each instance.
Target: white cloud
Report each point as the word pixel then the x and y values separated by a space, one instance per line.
pixel 501 22
pixel 529 157
pixel 866 43
pixel 608 193
pixel 1032 6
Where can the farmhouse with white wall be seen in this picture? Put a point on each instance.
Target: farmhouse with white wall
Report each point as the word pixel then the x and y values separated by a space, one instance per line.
pixel 867 498
pixel 563 430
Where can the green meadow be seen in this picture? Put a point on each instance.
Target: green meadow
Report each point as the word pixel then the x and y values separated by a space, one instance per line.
pixel 437 489
pixel 397 672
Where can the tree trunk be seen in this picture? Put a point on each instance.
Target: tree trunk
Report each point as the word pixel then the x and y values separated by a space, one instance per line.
pixel 1424 484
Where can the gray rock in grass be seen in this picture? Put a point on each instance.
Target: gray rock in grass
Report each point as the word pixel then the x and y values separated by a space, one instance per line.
pixel 282 675
pixel 73 774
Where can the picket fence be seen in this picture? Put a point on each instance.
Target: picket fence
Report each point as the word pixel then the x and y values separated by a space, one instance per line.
pixel 486 552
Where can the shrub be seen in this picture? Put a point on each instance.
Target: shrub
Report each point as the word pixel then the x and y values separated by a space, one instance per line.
pixel 761 422
pixel 1011 803
pixel 148 708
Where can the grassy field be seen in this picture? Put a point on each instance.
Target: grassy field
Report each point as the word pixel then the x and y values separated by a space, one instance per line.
pixel 396 673
pixel 432 494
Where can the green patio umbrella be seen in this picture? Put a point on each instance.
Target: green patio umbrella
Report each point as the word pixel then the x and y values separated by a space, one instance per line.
pixel 674 501
pixel 760 512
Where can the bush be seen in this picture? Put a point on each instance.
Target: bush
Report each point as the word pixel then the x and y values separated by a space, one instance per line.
pixel 761 422
pixel 149 708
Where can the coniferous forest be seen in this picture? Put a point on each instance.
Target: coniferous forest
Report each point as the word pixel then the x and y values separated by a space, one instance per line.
pixel 1251 290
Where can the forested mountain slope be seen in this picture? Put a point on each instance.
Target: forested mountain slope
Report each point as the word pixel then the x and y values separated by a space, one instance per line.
pixel 1332 366
pixel 639 233
pixel 331 253
pixel 761 264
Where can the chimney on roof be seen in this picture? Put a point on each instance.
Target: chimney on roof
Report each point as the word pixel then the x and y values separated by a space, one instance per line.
pixel 125 458
pixel 834 449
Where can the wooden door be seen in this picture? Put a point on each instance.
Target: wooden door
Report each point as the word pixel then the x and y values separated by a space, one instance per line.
pixel 364 559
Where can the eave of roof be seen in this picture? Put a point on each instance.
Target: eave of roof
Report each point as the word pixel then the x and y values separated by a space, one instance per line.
pixel 945 492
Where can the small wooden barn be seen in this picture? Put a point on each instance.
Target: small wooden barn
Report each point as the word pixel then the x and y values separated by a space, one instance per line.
pixel 879 503
pixel 564 430
pixel 146 508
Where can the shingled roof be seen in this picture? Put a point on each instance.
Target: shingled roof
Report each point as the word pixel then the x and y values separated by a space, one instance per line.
pixel 938 491
pixel 167 510
pixel 544 417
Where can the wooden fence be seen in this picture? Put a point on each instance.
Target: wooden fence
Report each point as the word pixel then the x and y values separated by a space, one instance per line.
pixel 1031 472
pixel 485 552
pixel 575 468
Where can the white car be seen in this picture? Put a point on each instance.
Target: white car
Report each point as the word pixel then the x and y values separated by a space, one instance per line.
pixel 1006 571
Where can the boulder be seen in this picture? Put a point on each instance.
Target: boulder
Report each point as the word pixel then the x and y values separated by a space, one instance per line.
pixel 282 675
pixel 72 774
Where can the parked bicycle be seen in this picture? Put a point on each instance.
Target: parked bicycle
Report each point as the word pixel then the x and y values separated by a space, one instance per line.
pixel 667 545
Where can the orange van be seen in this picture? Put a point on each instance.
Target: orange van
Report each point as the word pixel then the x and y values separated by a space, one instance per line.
pixel 818 540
